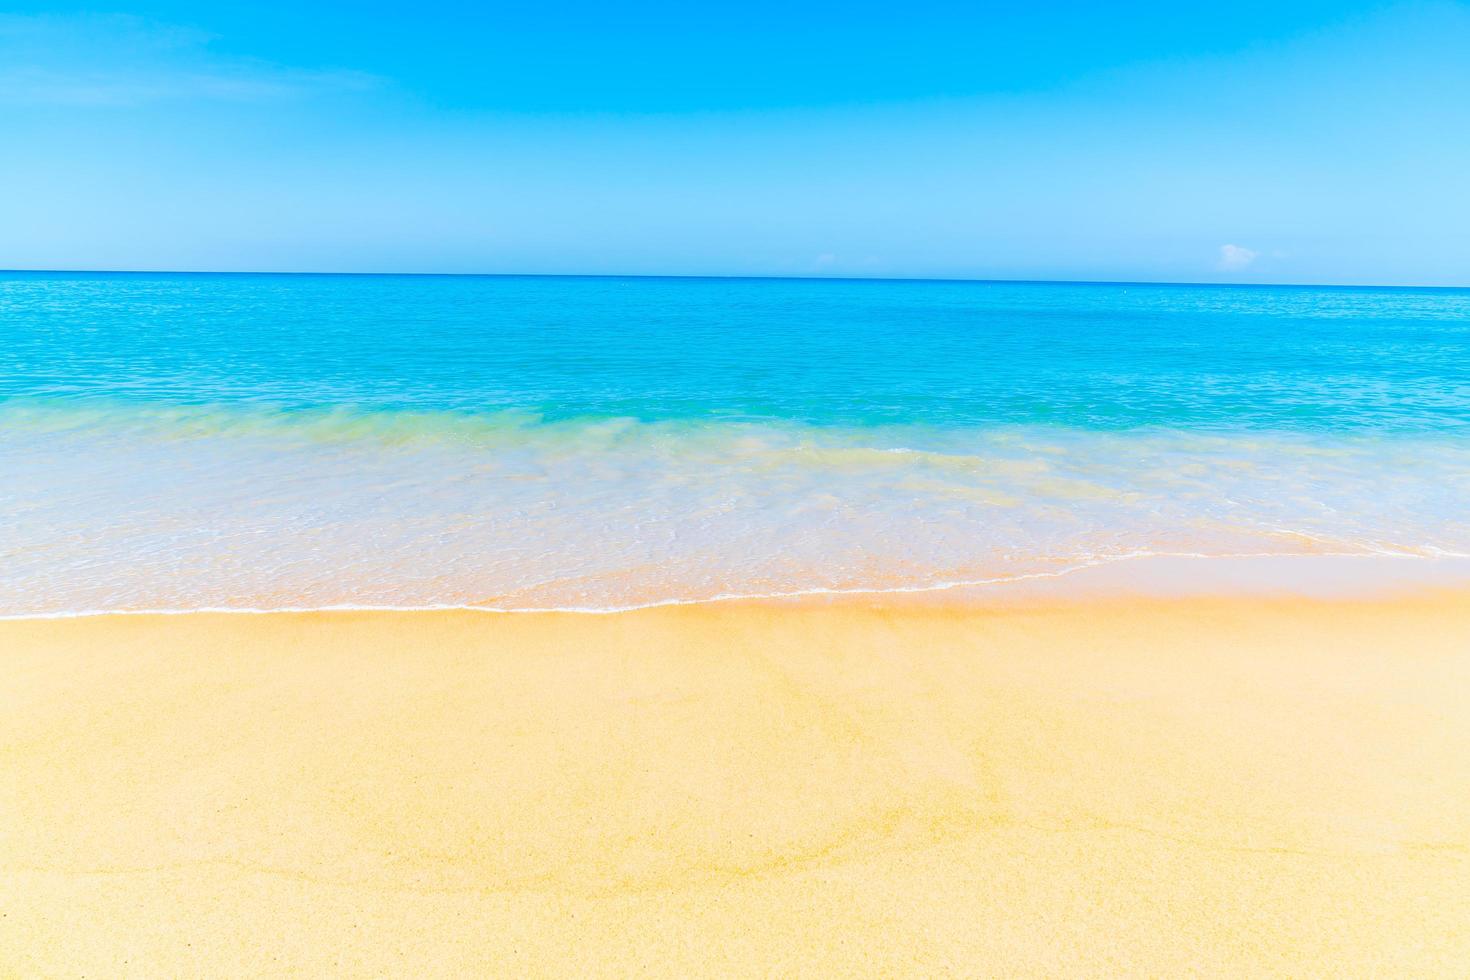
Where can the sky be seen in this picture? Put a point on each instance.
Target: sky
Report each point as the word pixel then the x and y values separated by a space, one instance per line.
pixel 1250 141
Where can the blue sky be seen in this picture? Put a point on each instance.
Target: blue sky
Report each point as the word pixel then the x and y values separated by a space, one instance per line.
pixel 1249 141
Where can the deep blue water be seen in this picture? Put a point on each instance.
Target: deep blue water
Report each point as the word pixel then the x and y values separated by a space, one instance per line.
pixel 822 352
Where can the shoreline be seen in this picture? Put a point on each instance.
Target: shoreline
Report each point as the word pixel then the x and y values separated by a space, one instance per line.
pixel 1141 575
pixel 1146 785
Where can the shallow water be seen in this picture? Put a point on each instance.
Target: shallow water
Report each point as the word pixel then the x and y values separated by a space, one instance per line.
pixel 288 441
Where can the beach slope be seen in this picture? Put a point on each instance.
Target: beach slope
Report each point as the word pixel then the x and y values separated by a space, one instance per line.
pixel 1224 786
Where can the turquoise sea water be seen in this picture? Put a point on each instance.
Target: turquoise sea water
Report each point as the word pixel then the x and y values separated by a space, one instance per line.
pixel 177 441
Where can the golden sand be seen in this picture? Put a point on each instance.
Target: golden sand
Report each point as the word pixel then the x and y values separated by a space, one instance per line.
pixel 1224 787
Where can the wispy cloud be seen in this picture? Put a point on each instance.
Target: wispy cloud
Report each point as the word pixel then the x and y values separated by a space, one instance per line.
pixel 119 60
pixel 1236 257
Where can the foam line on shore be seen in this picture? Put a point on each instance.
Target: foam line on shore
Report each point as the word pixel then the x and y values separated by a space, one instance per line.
pixel 1437 555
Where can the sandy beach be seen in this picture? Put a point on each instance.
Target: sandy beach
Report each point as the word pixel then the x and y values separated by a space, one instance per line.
pixel 1167 786
pixel 735 491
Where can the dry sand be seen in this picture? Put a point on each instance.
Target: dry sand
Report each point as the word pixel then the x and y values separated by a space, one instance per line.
pixel 1228 786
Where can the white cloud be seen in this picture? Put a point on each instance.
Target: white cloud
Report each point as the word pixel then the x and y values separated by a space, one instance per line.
pixel 1235 257
pixel 36 86
pixel 117 60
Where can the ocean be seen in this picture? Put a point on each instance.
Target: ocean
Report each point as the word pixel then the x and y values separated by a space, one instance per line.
pixel 185 441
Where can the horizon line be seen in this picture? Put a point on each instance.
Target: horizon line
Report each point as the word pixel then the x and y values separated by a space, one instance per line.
pixel 725 277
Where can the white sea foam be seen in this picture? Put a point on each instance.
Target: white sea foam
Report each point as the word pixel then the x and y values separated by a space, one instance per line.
pixel 210 510
pixel 1458 576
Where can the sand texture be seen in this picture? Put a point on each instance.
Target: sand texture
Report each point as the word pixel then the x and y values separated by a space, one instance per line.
pixel 1226 787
